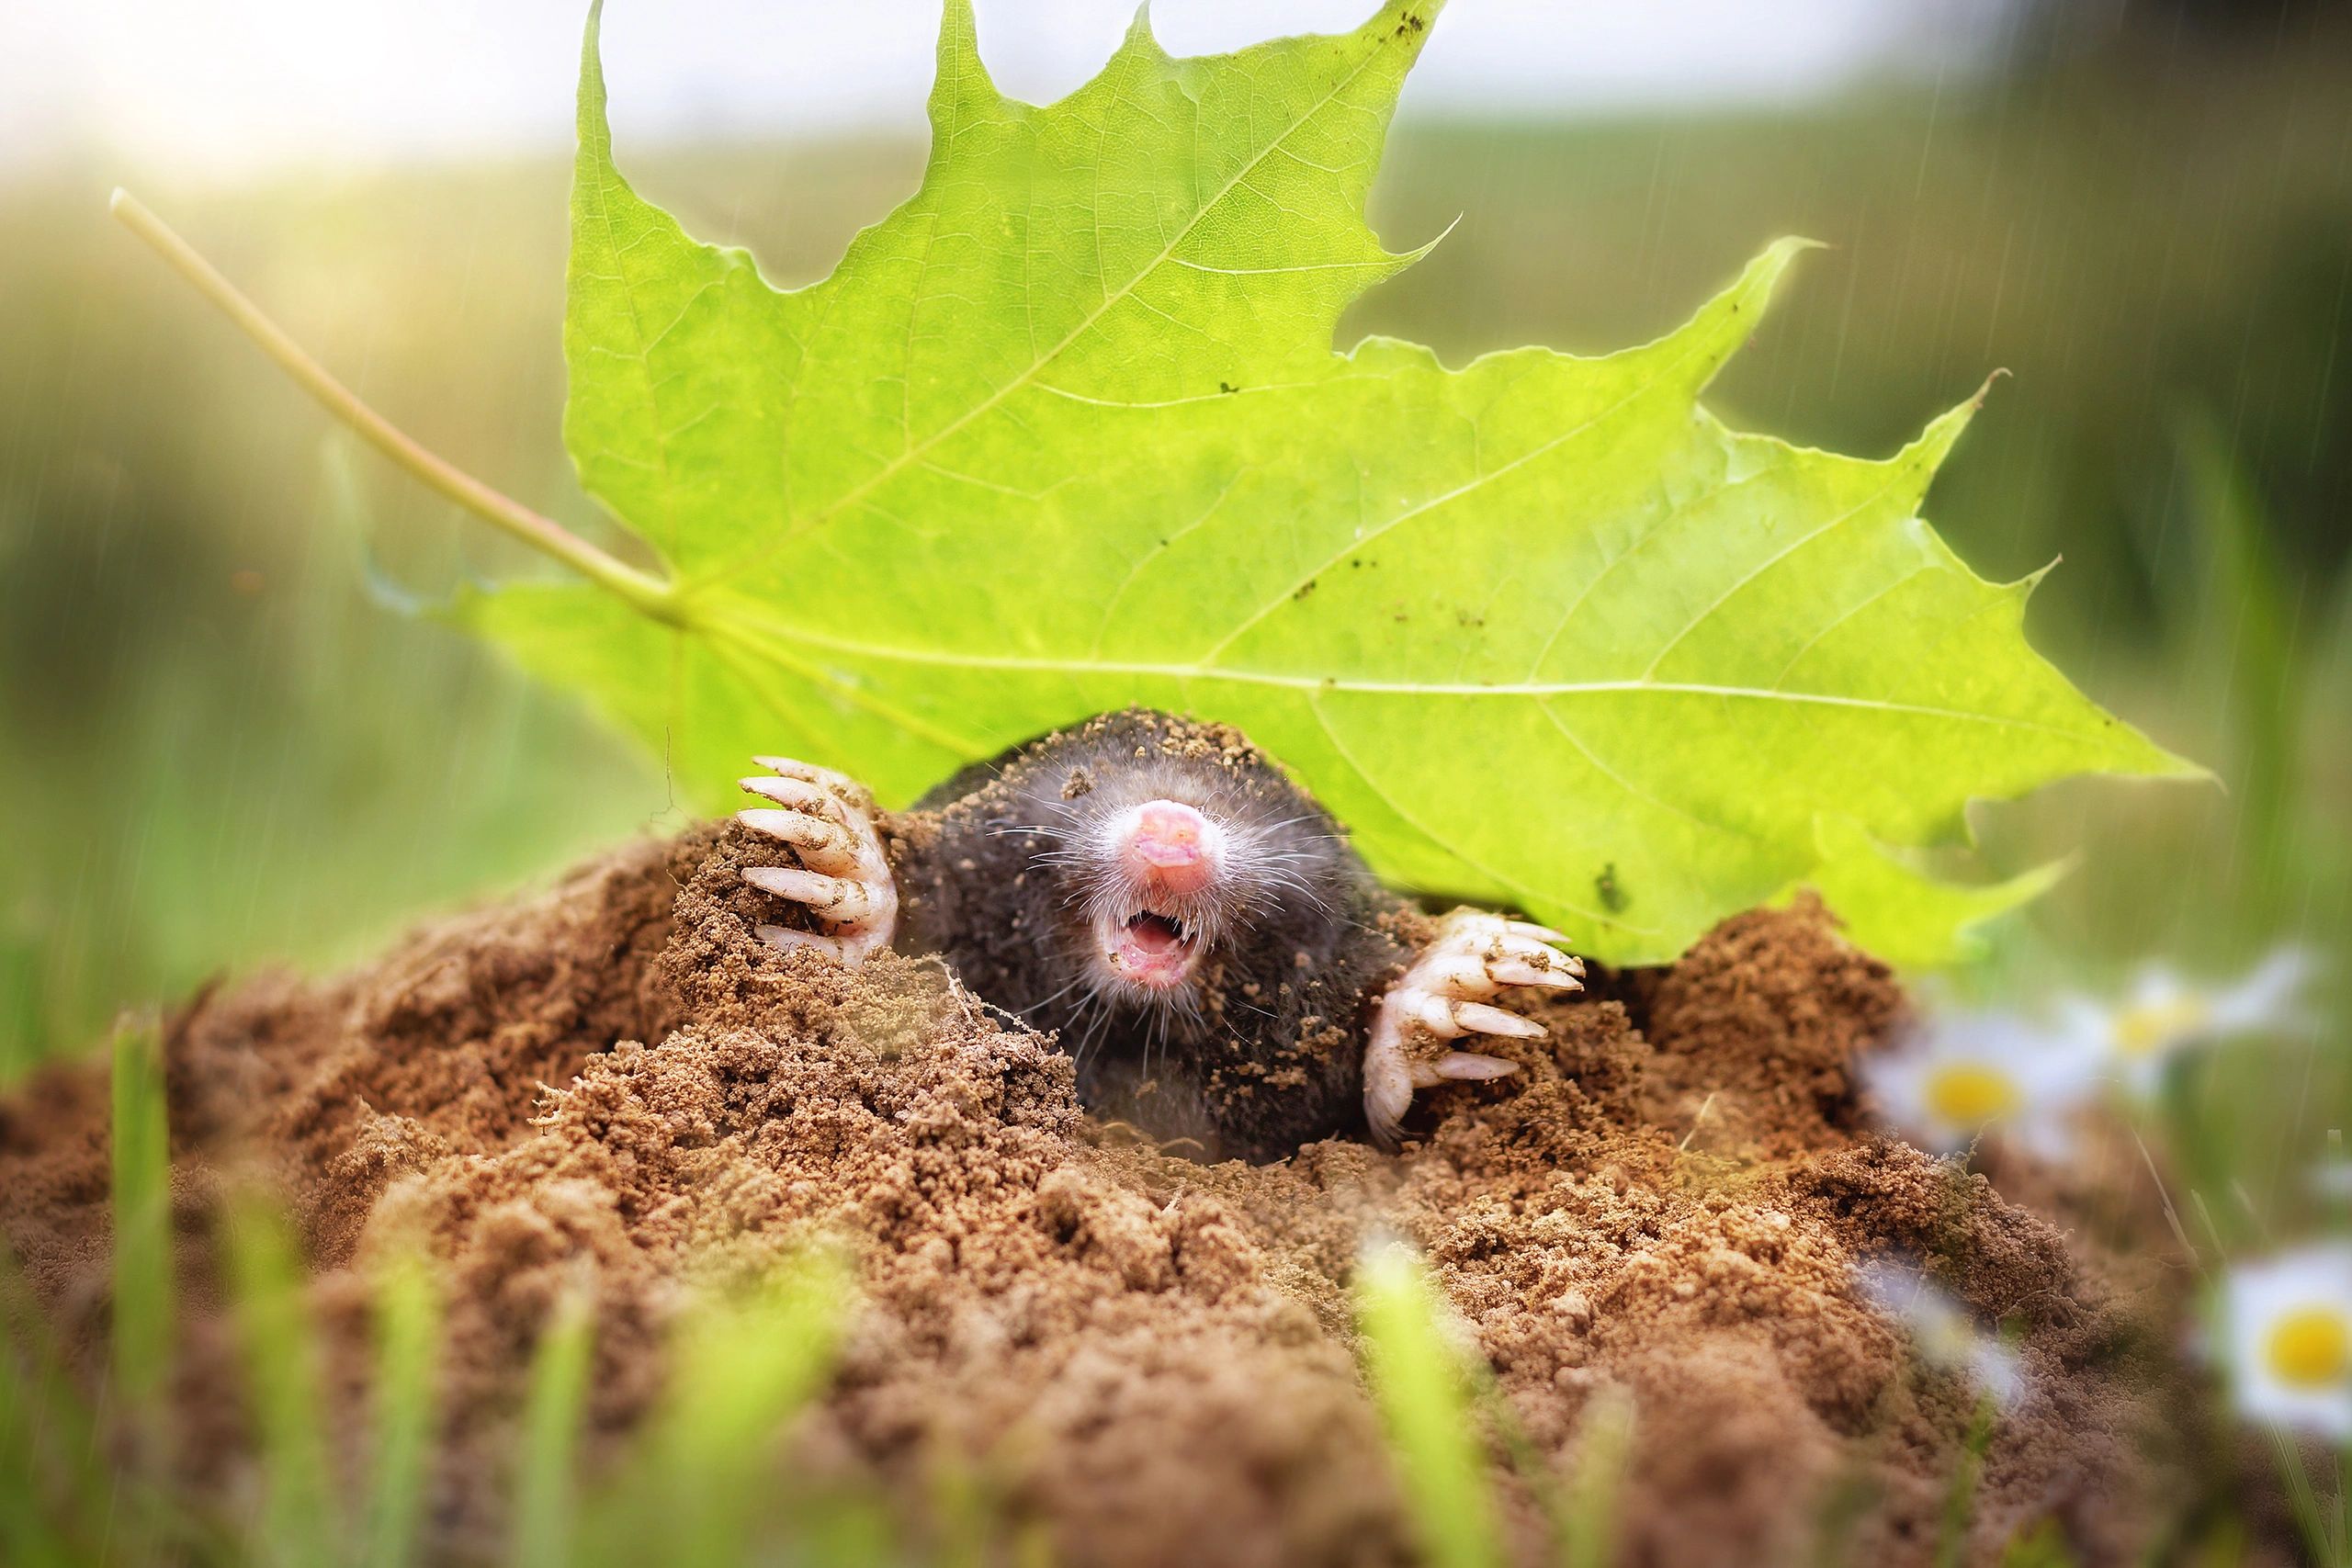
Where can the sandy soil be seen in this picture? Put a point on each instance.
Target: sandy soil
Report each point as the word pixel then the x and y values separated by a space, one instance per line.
pixel 1152 1358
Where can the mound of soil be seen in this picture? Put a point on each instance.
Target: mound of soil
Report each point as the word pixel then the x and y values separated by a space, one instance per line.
pixel 1151 1359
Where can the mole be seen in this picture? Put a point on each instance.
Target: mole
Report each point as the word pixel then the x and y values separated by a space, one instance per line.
pixel 1194 930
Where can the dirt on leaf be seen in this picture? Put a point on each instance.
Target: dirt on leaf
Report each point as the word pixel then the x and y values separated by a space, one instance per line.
pixel 1151 1359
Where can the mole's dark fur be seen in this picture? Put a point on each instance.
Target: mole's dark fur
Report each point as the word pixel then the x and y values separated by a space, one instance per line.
pixel 1266 1051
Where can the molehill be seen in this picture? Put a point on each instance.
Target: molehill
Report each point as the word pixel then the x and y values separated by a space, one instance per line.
pixel 1153 1359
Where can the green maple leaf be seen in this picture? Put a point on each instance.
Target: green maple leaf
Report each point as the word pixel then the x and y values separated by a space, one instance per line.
pixel 1067 432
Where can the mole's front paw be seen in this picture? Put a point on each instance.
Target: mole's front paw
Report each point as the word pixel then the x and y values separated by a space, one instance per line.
pixel 828 818
pixel 1443 997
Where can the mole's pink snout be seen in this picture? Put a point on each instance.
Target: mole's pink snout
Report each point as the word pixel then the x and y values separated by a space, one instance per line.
pixel 1172 847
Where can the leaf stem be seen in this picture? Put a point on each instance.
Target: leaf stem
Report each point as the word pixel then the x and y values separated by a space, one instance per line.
pixel 644 591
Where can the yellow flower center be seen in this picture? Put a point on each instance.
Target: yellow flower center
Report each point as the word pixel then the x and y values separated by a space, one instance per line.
pixel 1969 1094
pixel 2309 1347
pixel 2142 1030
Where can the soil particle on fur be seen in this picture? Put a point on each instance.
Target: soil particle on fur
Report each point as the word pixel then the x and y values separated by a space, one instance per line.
pixel 1150 1358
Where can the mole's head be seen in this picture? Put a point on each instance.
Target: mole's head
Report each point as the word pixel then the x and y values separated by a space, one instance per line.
pixel 1156 887
pixel 1169 847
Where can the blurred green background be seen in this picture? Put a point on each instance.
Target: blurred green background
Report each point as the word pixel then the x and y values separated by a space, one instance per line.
pixel 231 737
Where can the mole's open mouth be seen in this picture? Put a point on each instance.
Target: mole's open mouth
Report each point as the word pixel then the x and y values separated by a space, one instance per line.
pixel 1150 949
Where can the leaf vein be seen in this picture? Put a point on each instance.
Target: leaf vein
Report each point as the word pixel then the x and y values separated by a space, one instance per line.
pixel 1029 374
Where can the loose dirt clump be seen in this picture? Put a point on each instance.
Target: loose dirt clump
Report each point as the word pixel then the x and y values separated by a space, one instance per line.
pixel 617 1086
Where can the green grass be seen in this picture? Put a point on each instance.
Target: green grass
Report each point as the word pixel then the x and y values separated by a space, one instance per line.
pixel 408 1346
pixel 745 1364
pixel 299 1521
pixel 547 1504
pixel 1604 1448
pixel 1960 1496
pixel 1424 1391
pixel 703 1484
pixel 706 1481
pixel 2323 1517
pixel 54 1503
pixel 2262 861
pixel 143 1279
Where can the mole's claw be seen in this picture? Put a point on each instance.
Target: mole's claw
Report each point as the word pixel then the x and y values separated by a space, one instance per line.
pixel 1514 944
pixel 1387 1095
pixel 1461 1066
pixel 1520 971
pixel 821 845
pixel 1443 997
pixel 787 939
pixel 797 794
pixel 791 768
pixel 843 877
pixel 1478 1017
pixel 834 898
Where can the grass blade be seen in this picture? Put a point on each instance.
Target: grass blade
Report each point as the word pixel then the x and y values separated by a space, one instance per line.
pixel 1425 1399
pixel 408 1348
pixel 1605 1444
pixel 2315 1518
pixel 51 1480
pixel 143 1316
pixel 1960 1500
pixel 744 1367
pixel 547 1485
pixel 281 1355
pixel 22 1006
pixel 2248 629
pixel 61 1498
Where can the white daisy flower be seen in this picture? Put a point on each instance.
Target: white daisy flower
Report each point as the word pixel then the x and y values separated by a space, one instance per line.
pixel 1966 1074
pixel 1941 1331
pixel 2164 1013
pixel 2285 1337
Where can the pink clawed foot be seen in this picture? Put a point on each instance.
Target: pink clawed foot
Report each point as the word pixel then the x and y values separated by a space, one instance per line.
pixel 844 877
pixel 1443 996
